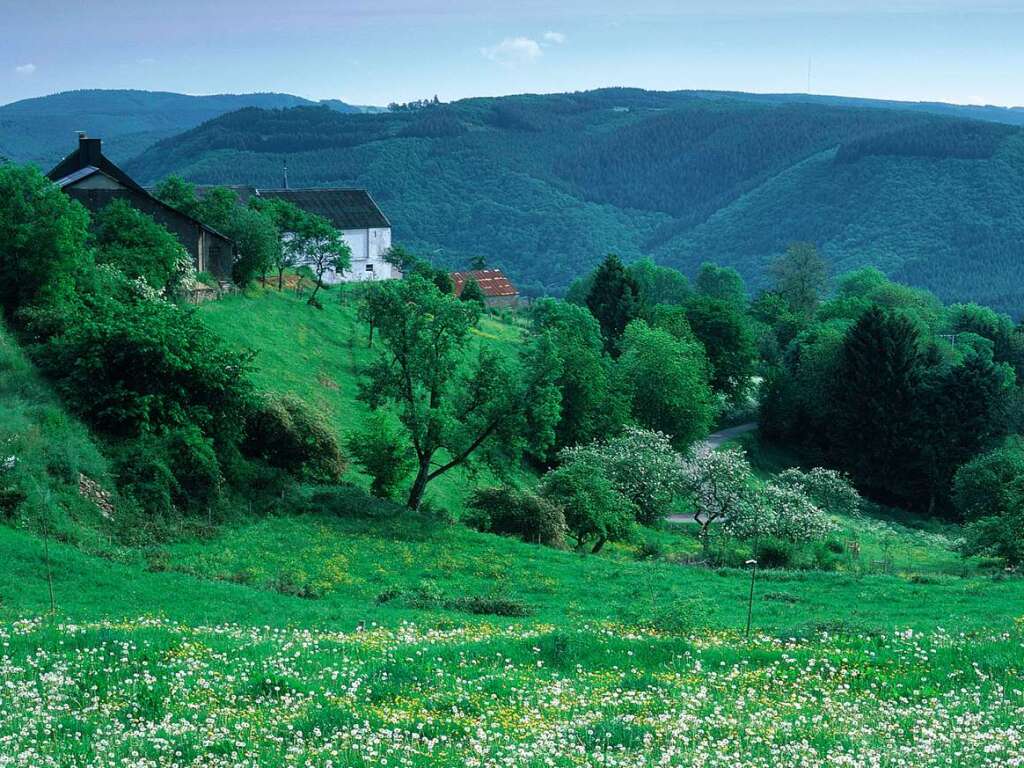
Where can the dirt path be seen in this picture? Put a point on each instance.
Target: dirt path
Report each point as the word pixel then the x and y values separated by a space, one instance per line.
pixel 714 441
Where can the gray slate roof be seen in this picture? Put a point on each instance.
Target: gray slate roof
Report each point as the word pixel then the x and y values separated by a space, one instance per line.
pixel 344 208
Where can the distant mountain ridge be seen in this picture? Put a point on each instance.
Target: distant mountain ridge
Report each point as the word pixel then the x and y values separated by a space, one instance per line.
pixel 42 130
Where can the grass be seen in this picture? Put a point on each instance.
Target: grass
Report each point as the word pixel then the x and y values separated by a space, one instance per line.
pixel 316 355
pixel 340 631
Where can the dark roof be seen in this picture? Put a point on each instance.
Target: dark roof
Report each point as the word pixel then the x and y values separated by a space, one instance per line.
pixel 491 281
pixel 89 159
pixel 344 208
pixel 89 155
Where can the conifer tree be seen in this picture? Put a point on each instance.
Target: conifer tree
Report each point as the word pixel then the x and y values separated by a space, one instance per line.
pixel 614 299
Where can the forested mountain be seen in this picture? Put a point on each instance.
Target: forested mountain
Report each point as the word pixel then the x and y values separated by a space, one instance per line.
pixel 545 185
pixel 42 130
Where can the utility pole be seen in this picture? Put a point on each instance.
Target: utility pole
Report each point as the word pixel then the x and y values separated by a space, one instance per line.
pixel 750 599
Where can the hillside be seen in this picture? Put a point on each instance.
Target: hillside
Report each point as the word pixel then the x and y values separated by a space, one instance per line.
pixel 42 130
pixel 321 627
pixel 316 355
pixel 545 185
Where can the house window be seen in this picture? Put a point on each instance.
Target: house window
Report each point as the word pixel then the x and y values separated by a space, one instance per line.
pixel 369 267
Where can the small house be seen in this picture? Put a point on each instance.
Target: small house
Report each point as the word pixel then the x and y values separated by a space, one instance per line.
pixel 498 290
pixel 88 176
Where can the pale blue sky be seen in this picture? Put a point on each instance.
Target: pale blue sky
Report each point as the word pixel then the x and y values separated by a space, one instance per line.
pixel 368 52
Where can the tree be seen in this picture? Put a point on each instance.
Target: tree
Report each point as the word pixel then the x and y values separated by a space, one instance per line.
pixel 43 235
pixel 659 285
pixel 614 299
pixel 134 243
pixel 288 219
pixel 178 193
pixel 323 249
pixel 450 401
pixel 478 263
pixel 471 291
pixel 874 399
pixel 722 283
pixel 980 486
pixel 642 465
pixel 963 411
pixel 728 338
pixel 592 403
pixel 800 277
pixel 381 448
pixel 253 232
pixel 593 509
pixel 668 381
pixel 720 485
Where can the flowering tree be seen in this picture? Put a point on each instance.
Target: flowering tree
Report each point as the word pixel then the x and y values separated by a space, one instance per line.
pixel 640 464
pixel 720 485
pixel 781 512
pixel 827 489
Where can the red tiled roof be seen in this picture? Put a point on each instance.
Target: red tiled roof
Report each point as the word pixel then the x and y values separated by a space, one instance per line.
pixel 491 281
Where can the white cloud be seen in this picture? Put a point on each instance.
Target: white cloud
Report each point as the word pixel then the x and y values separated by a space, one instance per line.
pixel 25 69
pixel 513 50
pixel 146 61
pixel 555 38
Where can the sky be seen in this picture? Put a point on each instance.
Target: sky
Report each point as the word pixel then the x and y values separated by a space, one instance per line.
pixel 380 51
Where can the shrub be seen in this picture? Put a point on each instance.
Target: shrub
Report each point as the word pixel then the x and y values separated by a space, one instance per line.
pixel 139 246
pixel 285 433
pixel 381 448
pixel 827 489
pixel 193 462
pixel 641 465
pixel 773 553
pixel 593 509
pixel 517 513
pixel 650 549
pixel 678 617
pixel 132 364
pixel 490 606
pixel 779 512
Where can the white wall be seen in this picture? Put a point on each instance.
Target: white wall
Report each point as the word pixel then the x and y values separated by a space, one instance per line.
pixel 368 249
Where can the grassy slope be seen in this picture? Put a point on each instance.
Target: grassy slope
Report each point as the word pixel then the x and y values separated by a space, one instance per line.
pixel 213 661
pixel 316 355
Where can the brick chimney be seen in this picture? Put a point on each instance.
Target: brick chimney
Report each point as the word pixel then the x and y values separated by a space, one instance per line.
pixel 89 150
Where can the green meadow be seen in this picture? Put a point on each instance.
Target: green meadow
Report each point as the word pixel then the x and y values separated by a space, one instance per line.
pixel 323 628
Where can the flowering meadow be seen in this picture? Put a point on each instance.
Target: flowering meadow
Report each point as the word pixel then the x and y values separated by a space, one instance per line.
pixel 151 692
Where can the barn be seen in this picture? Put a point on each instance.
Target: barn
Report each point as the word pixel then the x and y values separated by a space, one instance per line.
pixel 498 290
pixel 88 176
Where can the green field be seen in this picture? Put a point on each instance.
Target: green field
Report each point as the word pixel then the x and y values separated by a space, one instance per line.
pixel 328 629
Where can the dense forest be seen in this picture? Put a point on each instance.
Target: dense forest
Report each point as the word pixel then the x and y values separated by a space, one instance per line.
pixel 543 185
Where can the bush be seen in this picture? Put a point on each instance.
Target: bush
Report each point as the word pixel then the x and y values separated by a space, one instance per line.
pixel 132 364
pixel 593 509
pixel 193 462
pixel 381 448
pixel 641 465
pixel 285 433
pixel 827 489
pixel 490 606
pixel 773 553
pixel 517 513
pixel 782 513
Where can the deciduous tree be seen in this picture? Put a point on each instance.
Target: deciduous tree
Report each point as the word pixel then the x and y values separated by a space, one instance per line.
pixel 454 403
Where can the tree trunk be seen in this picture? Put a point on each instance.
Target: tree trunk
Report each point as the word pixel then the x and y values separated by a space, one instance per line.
pixel 312 296
pixel 370 344
pixel 419 485
pixel 280 280
pixel 598 545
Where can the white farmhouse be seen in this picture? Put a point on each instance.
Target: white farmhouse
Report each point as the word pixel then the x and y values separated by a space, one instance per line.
pixel 360 221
